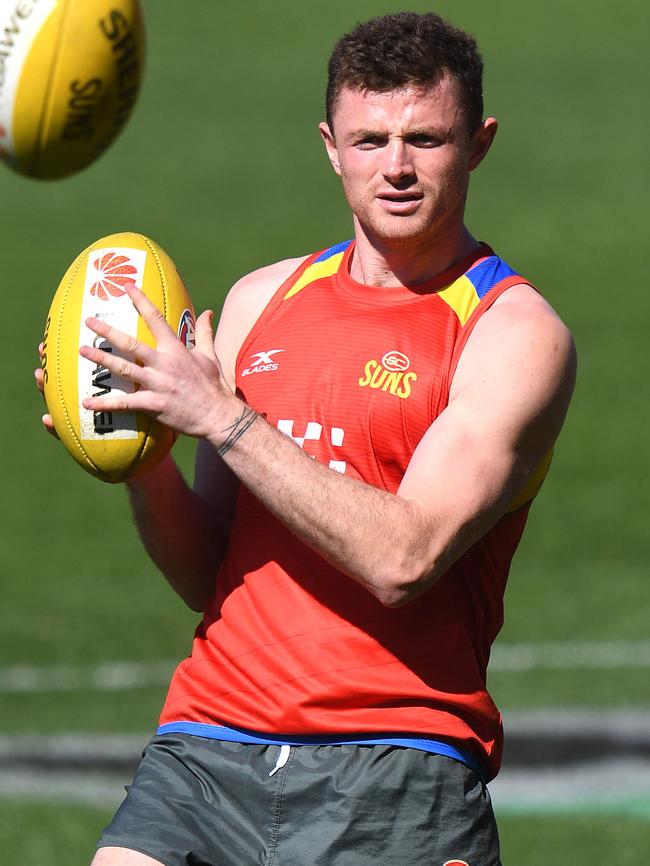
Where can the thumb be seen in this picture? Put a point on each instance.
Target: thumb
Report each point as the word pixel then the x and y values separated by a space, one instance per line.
pixel 204 334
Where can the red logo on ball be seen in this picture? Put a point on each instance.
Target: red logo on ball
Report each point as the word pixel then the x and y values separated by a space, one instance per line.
pixel 115 272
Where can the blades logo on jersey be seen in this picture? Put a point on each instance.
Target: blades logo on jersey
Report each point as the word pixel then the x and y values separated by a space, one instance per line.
pixel 263 362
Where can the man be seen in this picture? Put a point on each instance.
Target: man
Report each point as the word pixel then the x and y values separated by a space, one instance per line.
pixel 334 708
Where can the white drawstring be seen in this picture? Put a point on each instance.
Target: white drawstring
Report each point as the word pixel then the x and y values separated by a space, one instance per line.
pixel 283 757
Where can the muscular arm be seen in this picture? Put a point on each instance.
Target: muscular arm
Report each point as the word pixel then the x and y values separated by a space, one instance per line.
pixel 507 403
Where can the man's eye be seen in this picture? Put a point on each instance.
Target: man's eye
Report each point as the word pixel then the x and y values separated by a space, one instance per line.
pixel 425 141
pixel 370 142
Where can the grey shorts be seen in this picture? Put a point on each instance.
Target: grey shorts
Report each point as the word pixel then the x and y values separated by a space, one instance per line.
pixel 204 802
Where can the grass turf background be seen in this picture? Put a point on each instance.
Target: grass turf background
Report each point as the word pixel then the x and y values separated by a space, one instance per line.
pixel 222 165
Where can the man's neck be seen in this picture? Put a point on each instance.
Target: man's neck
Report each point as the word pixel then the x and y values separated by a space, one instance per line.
pixel 377 262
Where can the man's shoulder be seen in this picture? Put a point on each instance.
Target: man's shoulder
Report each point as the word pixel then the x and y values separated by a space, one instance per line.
pixel 521 328
pixel 243 306
pixel 522 304
pixel 268 276
pixel 252 292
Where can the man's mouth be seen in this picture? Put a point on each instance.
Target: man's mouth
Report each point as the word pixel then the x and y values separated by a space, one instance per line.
pixel 400 202
pixel 400 196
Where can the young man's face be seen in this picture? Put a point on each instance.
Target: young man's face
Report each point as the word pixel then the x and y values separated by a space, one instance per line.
pixel 404 157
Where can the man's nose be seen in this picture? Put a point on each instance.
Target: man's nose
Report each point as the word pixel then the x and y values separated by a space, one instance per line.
pixel 398 166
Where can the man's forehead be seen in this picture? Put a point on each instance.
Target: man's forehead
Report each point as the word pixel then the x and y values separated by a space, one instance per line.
pixel 410 101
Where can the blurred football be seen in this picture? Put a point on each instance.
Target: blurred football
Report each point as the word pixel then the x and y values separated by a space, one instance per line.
pixel 70 72
pixel 112 446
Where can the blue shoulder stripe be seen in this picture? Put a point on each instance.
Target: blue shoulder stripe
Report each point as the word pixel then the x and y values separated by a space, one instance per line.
pixel 488 273
pixel 332 251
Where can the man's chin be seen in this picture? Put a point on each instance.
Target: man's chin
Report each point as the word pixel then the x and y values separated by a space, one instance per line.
pixel 398 230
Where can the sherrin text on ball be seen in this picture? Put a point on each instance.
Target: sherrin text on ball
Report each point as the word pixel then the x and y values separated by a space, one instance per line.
pixel 70 73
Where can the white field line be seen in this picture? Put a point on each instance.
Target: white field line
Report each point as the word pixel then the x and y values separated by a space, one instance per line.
pixel 506 658
pixel 97 790
pixel 619 786
pixel 104 677
pixel 571 655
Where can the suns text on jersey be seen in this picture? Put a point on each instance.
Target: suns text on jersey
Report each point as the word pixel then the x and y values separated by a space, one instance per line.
pixel 377 376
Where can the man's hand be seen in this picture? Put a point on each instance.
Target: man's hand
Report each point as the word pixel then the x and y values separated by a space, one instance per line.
pixel 183 389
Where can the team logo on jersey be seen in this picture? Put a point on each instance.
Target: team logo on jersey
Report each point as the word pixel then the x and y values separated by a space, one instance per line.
pixel 263 362
pixel 456 863
pixel 392 374
pixel 396 362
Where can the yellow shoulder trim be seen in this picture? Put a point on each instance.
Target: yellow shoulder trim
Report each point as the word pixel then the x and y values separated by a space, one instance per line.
pixel 315 272
pixel 461 297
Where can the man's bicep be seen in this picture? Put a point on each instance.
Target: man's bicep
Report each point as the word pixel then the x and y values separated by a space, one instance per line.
pixel 509 399
pixel 463 469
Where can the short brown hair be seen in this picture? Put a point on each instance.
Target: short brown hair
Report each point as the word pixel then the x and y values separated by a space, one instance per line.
pixel 396 50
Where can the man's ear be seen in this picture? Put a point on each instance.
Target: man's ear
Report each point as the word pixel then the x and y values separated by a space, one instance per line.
pixel 482 141
pixel 330 146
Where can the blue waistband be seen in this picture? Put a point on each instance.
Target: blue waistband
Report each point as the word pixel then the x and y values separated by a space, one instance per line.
pixel 239 735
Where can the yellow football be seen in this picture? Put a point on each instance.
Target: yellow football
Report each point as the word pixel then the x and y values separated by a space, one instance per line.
pixel 112 446
pixel 70 72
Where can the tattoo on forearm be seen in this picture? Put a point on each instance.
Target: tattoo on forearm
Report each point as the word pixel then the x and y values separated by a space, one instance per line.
pixel 237 429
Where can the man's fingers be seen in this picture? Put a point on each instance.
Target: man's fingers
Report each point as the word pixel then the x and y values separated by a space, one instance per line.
pixel 40 379
pixel 139 401
pixel 154 319
pixel 121 341
pixel 116 364
pixel 204 334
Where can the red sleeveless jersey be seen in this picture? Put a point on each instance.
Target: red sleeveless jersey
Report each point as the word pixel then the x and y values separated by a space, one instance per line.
pixel 355 375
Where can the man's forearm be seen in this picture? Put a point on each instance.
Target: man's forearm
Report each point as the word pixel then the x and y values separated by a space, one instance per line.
pixel 177 529
pixel 343 519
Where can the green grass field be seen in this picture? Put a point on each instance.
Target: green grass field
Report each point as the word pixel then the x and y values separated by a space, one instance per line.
pixel 222 165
